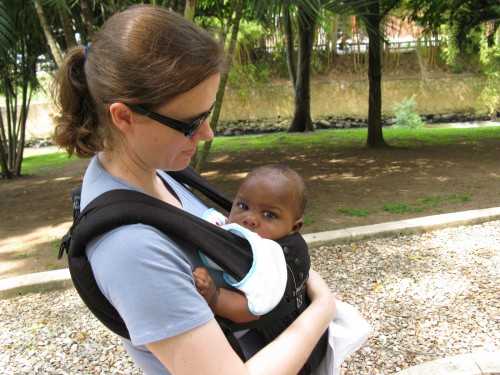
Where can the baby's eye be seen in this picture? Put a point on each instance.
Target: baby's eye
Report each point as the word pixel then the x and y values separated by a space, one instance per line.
pixel 242 206
pixel 269 214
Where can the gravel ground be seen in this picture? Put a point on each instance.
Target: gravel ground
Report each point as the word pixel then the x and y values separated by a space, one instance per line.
pixel 427 297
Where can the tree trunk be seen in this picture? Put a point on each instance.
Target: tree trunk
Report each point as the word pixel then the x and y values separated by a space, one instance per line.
pixel 178 5
pixel 110 9
pixel 48 33
pixel 375 137
pixel 87 15
pixel 6 173
pixel 29 66
pixel 69 34
pixel 302 121
pixel 332 36
pixel 222 85
pixel 189 9
pixel 290 47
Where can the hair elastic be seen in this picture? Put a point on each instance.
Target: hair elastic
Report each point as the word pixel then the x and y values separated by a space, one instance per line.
pixel 86 50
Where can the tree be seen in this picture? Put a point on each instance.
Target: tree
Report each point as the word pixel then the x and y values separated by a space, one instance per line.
pixel 189 9
pixel 305 13
pixel 66 22
pixel 462 15
pixel 7 40
pixel 56 54
pixel 233 17
pixel 373 19
pixel 87 16
pixel 372 13
pixel 472 32
pixel 18 79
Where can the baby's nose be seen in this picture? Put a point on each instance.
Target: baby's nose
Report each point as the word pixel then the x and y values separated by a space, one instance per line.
pixel 250 220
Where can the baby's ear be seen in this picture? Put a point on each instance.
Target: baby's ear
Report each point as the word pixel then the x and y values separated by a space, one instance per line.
pixel 297 225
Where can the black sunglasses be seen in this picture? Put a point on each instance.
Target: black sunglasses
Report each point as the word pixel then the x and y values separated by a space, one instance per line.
pixel 187 128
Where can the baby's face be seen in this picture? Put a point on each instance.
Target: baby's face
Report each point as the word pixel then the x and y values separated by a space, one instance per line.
pixel 267 207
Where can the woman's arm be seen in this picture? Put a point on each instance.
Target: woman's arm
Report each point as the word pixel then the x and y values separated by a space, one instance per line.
pixel 206 347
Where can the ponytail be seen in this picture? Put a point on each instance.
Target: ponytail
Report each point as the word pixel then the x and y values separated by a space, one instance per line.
pixel 77 129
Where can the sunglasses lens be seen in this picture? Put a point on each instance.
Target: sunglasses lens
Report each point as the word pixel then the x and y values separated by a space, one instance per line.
pixel 195 126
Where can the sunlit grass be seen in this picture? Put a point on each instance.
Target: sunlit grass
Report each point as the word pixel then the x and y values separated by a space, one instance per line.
pixel 321 139
pixel 353 138
pixel 429 202
pixel 37 164
pixel 353 212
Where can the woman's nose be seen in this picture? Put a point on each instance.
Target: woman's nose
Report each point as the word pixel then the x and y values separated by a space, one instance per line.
pixel 205 131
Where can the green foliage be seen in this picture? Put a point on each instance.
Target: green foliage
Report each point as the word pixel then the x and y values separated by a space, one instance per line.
pixel 460 55
pixel 250 33
pixel 248 75
pixel 247 69
pixel 406 115
pixel 462 24
pixel 279 63
pixel 317 62
pixel 489 57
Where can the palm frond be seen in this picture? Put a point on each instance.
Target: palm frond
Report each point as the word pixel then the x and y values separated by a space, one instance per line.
pixel 7 31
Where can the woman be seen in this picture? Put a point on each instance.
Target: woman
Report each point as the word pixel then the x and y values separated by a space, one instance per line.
pixel 137 101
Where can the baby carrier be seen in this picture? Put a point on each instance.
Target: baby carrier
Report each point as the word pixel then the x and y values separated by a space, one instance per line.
pixel 231 252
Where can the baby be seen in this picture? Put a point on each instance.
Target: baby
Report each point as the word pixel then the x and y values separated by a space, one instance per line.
pixel 270 202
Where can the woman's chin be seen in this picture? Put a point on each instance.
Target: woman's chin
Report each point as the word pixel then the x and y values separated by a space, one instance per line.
pixel 178 166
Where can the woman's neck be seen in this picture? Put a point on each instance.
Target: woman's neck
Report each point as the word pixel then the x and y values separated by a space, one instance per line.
pixel 120 165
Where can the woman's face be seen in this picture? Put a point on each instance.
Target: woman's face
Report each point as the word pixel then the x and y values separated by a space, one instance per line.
pixel 153 145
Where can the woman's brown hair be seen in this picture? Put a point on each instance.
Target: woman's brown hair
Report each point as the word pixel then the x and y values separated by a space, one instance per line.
pixel 144 55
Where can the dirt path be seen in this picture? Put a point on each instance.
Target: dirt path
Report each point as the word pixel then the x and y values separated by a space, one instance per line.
pixel 36 211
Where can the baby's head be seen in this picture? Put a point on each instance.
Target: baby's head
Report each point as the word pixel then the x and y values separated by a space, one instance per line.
pixel 271 201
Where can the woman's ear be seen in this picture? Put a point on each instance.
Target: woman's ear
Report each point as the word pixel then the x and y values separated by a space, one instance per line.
pixel 121 116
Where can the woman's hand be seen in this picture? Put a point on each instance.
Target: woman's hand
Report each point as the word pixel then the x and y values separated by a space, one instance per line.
pixel 292 348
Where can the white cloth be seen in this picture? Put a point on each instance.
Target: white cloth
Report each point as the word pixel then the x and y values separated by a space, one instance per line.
pixel 265 283
pixel 346 333
pixel 215 217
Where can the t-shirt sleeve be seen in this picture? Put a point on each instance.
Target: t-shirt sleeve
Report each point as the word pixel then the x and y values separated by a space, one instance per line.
pixel 149 280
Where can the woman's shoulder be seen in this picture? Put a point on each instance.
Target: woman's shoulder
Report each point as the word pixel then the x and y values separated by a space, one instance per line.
pixel 97 182
pixel 133 241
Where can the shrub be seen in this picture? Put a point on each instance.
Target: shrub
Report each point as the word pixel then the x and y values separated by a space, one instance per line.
pixel 406 116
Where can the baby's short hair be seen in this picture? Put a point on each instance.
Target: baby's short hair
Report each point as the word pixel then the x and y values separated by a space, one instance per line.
pixel 283 171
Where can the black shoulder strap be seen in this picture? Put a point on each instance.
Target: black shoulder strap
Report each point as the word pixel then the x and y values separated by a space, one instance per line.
pixel 123 207
pixel 190 177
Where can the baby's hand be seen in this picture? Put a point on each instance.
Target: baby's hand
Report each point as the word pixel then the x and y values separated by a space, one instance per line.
pixel 205 285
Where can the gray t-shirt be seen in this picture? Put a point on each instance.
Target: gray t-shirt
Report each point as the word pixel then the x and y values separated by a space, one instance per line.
pixel 145 275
